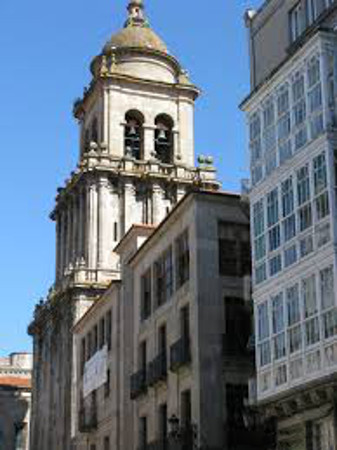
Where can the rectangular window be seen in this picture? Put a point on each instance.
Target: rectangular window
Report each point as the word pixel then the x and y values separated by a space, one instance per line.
pixel 312 334
pixel 287 197
pixel 322 206
pixel 255 138
pixel 234 250
pixel 163 418
pixel 185 322
pixel 330 323
pixel 258 218
pixel 260 273
pixel 327 288
pixel 303 185
pixel 142 433
pixel 264 354
pixel 299 110
pixel 163 277
pixel 281 375
pixel 295 339
pixel 289 228
pixel 309 296
pixel 274 238
pixel 186 409
pixel 320 173
pixel 278 314
pixel 146 295
pixel 275 265
pixel 306 246
pixel 272 207
pixel 305 217
pixel 107 443
pixel 290 256
pixel 296 22
pixel 260 248
pixel 182 259
pixel 293 305
pixel 263 321
pixel 108 322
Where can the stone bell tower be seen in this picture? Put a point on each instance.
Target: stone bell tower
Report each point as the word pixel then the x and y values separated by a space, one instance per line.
pixel 136 161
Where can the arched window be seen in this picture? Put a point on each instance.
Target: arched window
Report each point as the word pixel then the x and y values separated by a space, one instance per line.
pixel 164 139
pixel 133 134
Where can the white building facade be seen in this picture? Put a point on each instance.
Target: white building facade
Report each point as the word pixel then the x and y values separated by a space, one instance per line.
pixel 292 139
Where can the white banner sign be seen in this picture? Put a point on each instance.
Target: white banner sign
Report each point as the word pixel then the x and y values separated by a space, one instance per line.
pixel 95 371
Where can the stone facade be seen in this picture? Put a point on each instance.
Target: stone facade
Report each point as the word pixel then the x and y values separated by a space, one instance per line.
pixel 136 161
pixel 15 401
pixel 179 341
pixel 292 115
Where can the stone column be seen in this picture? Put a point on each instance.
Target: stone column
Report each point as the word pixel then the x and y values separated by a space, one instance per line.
pixel 63 242
pixel 129 194
pixel 58 246
pixel 81 224
pixel 74 229
pixel 104 223
pixel 92 225
pixel 149 147
pixel 157 206
pixel 68 237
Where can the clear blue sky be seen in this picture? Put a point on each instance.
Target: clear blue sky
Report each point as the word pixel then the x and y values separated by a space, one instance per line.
pixel 46 48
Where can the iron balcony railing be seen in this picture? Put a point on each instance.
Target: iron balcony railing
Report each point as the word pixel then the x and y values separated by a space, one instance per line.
pixel 180 353
pixel 138 384
pixel 157 370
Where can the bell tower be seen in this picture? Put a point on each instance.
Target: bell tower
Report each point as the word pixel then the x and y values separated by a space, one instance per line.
pixel 136 161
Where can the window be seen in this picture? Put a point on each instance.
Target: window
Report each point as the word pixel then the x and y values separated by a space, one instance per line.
pixel 107 384
pixel 269 135
pixel 296 22
pixel 102 332
pixel 278 327
pixel 182 259
pixel 164 139
pixel 234 250
pixel 315 98
pixel 185 322
pixel 142 361
pixel 305 217
pixel 163 277
pixel 108 321
pixel 260 273
pixel 293 305
pixel 311 7
pixel 133 135
pixel 186 409
pixel 303 185
pixel 299 110
pixel 258 218
pixel 309 296
pixel 264 334
pixel 322 206
pixel 306 245
pixel 275 265
pixel 272 207
pixel 289 224
pixel 146 295
pixel 290 256
pixel 107 443
pixel 163 422
pixel 284 123
pixel 274 238
pixel 255 147
pixel 142 433
pixel 162 341
pixel 320 174
pixel 327 288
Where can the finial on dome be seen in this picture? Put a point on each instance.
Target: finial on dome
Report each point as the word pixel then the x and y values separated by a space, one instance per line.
pixel 136 14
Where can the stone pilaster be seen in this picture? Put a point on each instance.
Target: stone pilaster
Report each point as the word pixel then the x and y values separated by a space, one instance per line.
pixel 104 222
pixel 92 225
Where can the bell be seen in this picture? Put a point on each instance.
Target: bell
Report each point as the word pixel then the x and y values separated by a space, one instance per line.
pixel 162 135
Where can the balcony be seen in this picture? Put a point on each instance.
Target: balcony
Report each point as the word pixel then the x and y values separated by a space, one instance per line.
pixel 180 354
pixel 138 384
pixel 87 419
pixel 157 370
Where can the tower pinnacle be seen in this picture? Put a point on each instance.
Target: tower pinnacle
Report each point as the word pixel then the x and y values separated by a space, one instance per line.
pixel 136 14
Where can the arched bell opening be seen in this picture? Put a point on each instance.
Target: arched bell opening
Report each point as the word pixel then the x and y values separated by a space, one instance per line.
pixel 134 135
pixel 164 138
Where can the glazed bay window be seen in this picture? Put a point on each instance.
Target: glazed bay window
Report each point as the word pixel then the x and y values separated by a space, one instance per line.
pixel 279 337
pixel 303 198
pixel 264 334
pixel 284 124
pixel 294 319
pixel 289 220
pixel 315 98
pixel 146 295
pixel 320 184
pixel 312 327
pixel 299 110
pixel 255 147
pixel 182 259
pixel 259 230
pixel 329 311
pixel 269 136
pixel 274 233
